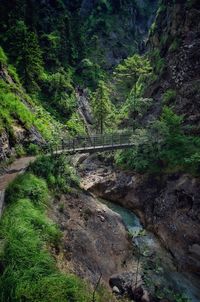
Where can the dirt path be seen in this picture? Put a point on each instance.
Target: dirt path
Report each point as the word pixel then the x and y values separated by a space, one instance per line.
pixel 17 167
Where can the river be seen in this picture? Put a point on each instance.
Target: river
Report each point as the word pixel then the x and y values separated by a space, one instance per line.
pixel 157 265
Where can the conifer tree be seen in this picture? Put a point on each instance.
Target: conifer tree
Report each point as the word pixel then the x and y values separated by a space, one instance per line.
pixel 129 71
pixel 33 65
pixel 127 75
pixel 25 52
pixel 101 105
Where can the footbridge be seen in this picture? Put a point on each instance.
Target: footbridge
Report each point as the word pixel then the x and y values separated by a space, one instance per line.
pixel 96 143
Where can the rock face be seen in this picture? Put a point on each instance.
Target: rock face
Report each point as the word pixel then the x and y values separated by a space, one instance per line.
pixel 169 206
pixel 116 29
pixel 18 134
pixel 127 283
pixel 95 240
pixel 4 146
pixel 176 36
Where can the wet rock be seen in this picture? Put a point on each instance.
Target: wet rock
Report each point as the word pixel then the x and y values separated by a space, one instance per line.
pixel 97 238
pixel 116 290
pixel 167 206
pixel 126 283
pixel 102 218
pixel 138 293
pixel 195 249
pixel 145 297
pixel 4 146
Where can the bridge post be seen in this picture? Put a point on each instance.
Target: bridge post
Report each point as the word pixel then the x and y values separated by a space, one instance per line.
pixel 85 142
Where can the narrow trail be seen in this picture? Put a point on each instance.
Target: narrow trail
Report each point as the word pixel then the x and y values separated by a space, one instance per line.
pixel 11 172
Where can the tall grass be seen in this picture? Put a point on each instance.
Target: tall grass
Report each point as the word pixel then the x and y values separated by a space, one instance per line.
pixel 29 271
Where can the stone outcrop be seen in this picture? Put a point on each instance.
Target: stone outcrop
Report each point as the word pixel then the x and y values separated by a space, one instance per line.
pixel 95 240
pixel 4 145
pixel 18 134
pixel 176 37
pixel 168 205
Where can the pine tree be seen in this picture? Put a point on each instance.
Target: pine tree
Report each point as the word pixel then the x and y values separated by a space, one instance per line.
pixel 127 75
pixel 101 105
pixel 26 54
pixel 129 71
pixel 33 65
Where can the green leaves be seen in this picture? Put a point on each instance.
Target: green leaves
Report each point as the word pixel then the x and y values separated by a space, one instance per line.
pixel 25 52
pixel 101 105
pixel 131 69
pixel 3 58
pixel 28 186
pixel 162 146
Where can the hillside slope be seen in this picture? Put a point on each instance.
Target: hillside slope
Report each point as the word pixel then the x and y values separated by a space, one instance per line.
pixel 24 123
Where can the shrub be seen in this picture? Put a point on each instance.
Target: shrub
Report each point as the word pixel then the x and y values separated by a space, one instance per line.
pixel 162 146
pixel 33 149
pixel 13 73
pixel 193 162
pixel 19 149
pixel 28 186
pixel 75 125
pixel 158 62
pixel 60 176
pixel 3 58
pixel 169 96
pixel 175 45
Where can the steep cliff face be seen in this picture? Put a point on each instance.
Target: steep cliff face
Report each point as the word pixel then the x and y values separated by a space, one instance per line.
pixel 168 205
pixel 24 124
pixel 116 29
pixel 176 36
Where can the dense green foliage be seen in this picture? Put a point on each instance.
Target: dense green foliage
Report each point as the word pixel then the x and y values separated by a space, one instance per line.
pixel 25 51
pixel 59 175
pixel 129 71
pixel 162 146
pixel 101 105
pixel 14 111
pixel 30 187
pixel 57 45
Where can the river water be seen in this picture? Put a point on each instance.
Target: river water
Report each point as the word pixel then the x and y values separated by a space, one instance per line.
pixel 157 265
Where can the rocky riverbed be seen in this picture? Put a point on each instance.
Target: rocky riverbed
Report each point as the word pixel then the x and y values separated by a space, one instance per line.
pixel 168 205
pixel 95 239
pixel 147 248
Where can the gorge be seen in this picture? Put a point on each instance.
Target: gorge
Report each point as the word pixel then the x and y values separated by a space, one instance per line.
pixel 121 225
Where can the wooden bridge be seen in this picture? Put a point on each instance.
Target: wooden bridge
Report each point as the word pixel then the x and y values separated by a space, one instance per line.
pixel 86 144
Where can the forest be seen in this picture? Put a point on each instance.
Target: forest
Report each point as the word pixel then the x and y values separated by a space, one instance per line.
pixel 86 73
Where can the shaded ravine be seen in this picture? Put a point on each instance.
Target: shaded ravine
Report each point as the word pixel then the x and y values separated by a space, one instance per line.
pixel 157 265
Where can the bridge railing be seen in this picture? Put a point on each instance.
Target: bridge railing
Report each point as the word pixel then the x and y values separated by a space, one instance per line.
pixel 86 142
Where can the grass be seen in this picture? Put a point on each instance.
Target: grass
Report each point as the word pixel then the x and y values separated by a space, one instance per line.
pixel 30 272
pixel 3 57
pixel 28 186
